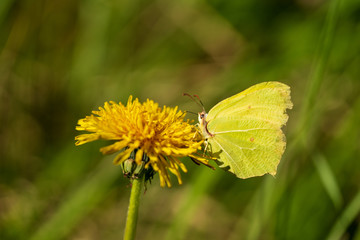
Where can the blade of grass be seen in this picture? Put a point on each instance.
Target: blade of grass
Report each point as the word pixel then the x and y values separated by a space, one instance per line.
pixel 258 210
pixel 319 67
pixel 79 203
pixel 204 180
pixel 89 52
pixel 343 222
pixel 4 8
pixel 328 179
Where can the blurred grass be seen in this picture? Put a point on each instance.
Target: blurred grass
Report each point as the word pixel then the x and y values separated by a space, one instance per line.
pixel 79 202
pixel 61 59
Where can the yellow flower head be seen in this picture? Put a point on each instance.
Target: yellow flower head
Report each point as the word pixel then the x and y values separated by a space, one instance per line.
pixel 144 131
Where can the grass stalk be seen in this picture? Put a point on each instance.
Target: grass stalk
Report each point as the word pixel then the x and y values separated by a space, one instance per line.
pixel 319 67
pixel 205 179
pixel 345 219
pixel 78 204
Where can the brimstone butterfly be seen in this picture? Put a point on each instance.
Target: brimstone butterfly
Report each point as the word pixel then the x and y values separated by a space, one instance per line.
pixel 243 132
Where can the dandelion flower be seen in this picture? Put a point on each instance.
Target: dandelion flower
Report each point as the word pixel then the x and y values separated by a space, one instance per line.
pixel 146 134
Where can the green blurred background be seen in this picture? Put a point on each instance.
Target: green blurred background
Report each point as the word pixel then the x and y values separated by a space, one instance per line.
pixel 61 59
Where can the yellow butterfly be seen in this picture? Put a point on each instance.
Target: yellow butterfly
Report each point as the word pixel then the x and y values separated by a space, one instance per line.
pixel 243 132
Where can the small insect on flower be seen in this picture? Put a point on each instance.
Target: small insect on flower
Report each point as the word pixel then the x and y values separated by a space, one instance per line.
pixel 147 137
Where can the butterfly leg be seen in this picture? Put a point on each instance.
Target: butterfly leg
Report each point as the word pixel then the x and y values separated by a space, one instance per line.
pixel 206 143
pixel 197 128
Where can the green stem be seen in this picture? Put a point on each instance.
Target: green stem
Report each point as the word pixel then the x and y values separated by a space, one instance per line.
pixel 130 228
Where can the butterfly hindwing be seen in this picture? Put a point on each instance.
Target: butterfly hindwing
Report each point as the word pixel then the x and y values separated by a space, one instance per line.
pixel 247 136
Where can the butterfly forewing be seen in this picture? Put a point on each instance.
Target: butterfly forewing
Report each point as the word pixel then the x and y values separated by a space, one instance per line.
pixel 265 95
pixel 247 129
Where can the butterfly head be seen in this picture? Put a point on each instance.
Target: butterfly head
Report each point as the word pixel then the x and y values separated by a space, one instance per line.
pixel 202 117
pixel 203 125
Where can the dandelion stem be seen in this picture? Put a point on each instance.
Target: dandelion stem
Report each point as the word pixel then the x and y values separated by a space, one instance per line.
pixel 132 215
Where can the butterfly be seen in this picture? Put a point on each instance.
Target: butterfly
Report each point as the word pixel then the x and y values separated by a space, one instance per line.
pixel 243 132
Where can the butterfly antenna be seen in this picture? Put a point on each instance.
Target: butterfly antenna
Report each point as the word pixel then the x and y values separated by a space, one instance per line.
pixel 192 98
pixel 191 112
pixel 202 105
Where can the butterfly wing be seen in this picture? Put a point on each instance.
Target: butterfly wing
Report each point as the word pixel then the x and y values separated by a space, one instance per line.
pixel 248 139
